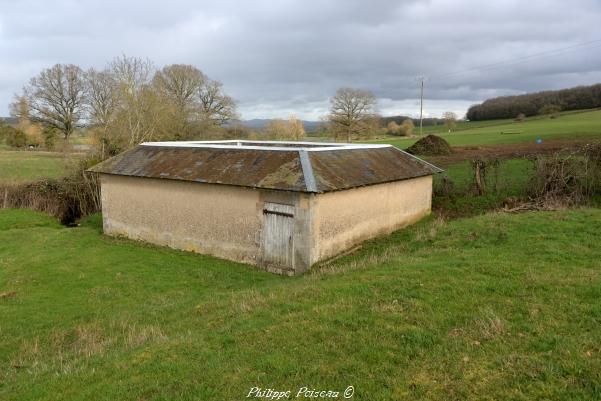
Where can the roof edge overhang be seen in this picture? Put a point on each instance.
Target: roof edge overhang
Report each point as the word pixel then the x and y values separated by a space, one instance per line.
pixel 303 154
pixel 314 192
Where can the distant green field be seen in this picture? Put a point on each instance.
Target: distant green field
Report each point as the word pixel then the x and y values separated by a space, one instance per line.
pixel 567 126
pixel 494 307
pixel 21 166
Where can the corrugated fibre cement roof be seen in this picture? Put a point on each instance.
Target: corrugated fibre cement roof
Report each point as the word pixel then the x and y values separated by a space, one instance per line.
pixel 288 166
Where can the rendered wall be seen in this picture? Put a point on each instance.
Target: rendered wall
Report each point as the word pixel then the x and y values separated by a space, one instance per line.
pixel 224 221
pixel 227 221
pixel 343 219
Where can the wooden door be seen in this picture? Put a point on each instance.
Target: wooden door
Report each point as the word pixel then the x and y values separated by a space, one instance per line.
pixel 278 235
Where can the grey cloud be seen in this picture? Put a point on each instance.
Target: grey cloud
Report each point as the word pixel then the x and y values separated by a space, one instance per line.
pixel 282 57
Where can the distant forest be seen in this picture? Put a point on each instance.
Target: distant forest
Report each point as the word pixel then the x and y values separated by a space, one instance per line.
pixel 531 104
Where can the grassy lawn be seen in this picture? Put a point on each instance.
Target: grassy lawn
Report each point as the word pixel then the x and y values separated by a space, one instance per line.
pixel 492 307
pixel 20 166
pixel 567 126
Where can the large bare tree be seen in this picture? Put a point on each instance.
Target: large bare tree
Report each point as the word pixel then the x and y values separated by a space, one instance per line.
pixel 352 112
pixel 140 112
pixel 215 106
pixel 102 102
pixel 102 96
pixel 56 98
pixel 180 84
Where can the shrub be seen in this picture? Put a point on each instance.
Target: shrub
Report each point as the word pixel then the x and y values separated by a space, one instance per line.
pixel 393 128
pixel 566 178
pixel 68 198
pixel 549 110
pixel 15 138
pixel 481 169
pixel 445 187
pixel 406 128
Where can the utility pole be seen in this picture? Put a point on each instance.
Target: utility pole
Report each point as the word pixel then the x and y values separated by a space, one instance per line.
pixel 421 106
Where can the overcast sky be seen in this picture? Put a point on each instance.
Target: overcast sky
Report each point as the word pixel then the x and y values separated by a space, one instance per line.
pixel 282 57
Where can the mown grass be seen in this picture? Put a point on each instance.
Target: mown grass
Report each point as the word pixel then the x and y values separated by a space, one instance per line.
pixel 567 126
pixel 23 166
pixel 492 307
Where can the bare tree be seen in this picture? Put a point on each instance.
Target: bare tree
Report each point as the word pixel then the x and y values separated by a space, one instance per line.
pixel 352 111
pixel 180 83
pixel 131 73
pixel 102 96
pixel 103 103
pixel 140 112
pixel 215 106
pixel 56 99
pixel 127 103
pixel 450 119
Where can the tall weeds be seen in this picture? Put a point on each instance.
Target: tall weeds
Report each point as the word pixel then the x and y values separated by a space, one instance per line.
pixel 566 178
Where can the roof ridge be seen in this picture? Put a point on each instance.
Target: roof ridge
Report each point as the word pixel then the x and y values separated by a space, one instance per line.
pixel 288 146
pixel 307 170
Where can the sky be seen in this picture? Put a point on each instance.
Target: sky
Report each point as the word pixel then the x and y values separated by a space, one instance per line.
pixel 287 57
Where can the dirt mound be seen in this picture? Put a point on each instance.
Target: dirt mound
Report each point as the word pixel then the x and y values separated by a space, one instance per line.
pixel 431 145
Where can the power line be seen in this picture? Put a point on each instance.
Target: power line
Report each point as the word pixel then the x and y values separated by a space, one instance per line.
pixel 580 46
pixel 505 63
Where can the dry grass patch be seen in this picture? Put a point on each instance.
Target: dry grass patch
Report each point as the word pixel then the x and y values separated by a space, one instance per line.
pixel 489 325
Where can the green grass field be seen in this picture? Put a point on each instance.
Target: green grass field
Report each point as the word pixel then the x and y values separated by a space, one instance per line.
pixel 580 125
pixel 492 307
pixel 21 166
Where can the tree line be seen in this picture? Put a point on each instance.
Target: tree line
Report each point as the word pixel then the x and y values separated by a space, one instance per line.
pixel 127 102
pixel 540 103
pixel 130 101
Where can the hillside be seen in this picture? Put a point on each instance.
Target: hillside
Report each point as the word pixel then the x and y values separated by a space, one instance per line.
pixel 530 104
pixel 584 125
